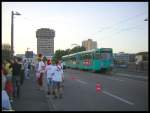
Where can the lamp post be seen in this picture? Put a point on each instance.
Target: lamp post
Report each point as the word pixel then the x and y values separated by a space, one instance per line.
pixel 12 31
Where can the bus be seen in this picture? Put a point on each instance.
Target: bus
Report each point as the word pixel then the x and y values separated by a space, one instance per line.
pixel 100 59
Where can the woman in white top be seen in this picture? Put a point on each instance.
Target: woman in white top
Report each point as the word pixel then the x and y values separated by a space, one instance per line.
pixel 41 70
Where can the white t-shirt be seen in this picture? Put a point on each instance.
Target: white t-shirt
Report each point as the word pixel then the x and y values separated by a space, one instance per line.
pixel 57 74
pixel 5 100
pixel 41 65
pixel 49 69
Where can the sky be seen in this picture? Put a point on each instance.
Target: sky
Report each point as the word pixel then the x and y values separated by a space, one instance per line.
pixel 117 25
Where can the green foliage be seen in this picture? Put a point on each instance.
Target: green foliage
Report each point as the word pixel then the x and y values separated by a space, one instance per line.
pixel 77 49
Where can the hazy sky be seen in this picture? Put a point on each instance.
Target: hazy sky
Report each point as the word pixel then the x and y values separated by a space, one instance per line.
pixel 120 26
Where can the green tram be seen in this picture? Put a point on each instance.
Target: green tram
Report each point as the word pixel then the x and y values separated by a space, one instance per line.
pixel 100 59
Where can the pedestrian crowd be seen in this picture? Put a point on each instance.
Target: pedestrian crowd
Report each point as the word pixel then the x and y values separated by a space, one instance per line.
pixel 54 76
pixel 15 70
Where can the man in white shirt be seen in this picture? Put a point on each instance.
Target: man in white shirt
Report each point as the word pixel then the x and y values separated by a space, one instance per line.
pixel 57 80
pixel 49 73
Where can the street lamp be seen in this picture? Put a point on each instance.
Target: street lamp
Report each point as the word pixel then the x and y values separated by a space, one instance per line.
pixel 12 31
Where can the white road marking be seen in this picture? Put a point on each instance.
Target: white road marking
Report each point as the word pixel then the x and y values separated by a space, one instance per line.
pixel 81 81
pixel 119 98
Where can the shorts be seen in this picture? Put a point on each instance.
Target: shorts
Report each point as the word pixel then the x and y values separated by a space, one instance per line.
pixel 57 84
pixel 49 82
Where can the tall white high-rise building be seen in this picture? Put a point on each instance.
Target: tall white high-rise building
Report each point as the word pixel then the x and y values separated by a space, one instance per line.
pixel 45 41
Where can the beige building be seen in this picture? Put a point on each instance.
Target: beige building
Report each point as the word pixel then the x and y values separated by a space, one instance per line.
pixel 45 41
pixel 89 44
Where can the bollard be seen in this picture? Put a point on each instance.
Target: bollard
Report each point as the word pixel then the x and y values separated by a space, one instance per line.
pixel 98 87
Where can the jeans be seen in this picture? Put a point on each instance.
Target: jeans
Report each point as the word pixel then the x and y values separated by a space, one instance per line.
pixel 49 83
pixel 16 85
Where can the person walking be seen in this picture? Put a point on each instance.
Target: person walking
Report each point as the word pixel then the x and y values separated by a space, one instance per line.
pixel 57 80
pixel 29 69
pixel 49 76
pixel 41 70
pixel 26 69
pixel 60 63
pixel 21 71
pixel 16 77
pixel 9 85
pixel 37 74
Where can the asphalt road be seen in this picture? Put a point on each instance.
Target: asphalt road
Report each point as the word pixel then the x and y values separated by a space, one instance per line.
pixel 117 92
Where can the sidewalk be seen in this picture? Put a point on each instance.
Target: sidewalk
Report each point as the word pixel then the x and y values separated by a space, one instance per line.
pixel 31 98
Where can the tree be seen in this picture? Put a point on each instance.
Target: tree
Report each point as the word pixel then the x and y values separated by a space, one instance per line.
pixel 58 54
pixel 6 52
pixel 67 51
pixel 77 49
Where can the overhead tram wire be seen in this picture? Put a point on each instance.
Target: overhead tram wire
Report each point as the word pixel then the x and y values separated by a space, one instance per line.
pixel 123 30
pixel 128 28
pixel 118 23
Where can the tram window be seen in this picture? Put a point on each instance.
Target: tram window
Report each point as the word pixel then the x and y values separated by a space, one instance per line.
pixel 105 56
pixel 84 56
pixel 81 57
pixel 97 55
pixel 90 56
